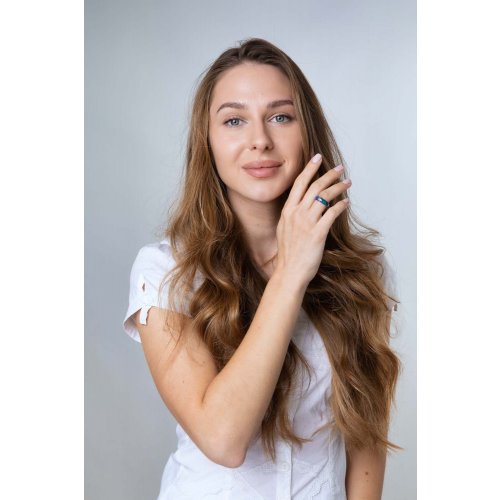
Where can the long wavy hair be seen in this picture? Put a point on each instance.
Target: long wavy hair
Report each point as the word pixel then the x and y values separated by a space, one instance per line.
pixel 346 300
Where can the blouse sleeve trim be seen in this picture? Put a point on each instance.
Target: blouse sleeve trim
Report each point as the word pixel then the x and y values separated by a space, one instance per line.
pixel 142 301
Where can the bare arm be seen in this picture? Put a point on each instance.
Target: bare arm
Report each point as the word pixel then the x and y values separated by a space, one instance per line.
pixel 222 412
pixel 239 395
pixel 365 474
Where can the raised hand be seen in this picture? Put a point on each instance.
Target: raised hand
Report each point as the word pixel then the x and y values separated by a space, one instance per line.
pixel 304 224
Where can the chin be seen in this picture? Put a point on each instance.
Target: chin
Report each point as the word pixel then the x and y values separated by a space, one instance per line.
pixel 265 196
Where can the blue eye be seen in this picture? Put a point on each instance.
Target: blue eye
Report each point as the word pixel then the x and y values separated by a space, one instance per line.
pixel 286 116
pixel 289 118
pixel 231 119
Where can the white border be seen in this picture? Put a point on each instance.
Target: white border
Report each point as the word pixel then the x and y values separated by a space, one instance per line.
pixel 41 204
pixel 458 109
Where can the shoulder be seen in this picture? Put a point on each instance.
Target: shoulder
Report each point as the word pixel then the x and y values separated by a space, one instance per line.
pixel 151 267
pixel 156 249
pixel 156 255
pixel 152 264
pixel 155 263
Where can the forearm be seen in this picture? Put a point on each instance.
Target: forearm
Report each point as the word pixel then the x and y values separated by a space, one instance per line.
pixel 365 474
pixel 238 397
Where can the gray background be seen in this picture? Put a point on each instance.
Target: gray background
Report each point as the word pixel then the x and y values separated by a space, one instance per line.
pixel 142 59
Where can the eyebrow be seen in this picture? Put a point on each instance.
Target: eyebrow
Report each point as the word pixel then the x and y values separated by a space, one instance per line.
pixel 240 105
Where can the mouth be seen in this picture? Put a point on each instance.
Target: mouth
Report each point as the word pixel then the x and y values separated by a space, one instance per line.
pixel 262 164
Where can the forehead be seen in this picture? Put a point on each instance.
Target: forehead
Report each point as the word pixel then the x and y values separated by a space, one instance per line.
pixel 251 83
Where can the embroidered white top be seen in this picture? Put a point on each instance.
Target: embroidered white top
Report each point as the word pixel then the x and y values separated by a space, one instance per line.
pixel 315 471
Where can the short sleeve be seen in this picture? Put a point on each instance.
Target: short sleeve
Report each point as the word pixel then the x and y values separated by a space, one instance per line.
pixel 150 267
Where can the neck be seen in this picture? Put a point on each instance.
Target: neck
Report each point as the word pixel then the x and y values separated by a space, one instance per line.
pixel 259 221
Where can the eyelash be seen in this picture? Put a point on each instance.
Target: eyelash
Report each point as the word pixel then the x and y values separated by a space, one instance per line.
pixel 237 118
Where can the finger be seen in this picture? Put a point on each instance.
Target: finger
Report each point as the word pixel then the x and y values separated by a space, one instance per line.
pixel 303 180
pixel 322 185
pixel 325 222
pixel 332 193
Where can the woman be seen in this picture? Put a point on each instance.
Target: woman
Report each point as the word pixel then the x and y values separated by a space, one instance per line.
pixel 270 345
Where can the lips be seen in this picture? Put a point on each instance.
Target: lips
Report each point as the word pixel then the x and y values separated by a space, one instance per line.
pixel 262 164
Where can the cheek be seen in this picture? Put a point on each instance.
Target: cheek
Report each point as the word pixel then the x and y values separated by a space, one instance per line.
pixel 224 145
pixel 224 164
pixel 294 145
pixel 297 156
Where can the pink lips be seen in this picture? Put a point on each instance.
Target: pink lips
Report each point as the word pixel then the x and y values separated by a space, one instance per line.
pixel 263 168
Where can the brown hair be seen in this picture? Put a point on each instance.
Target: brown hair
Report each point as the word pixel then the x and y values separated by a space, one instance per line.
pixel 346 300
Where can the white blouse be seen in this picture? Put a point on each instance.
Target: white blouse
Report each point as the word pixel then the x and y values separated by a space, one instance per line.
pixel 317 471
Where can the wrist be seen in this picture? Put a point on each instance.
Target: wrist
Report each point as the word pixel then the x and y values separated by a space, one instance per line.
pixel 289 281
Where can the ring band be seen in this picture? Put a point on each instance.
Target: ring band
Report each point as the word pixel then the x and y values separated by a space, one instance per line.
pixel 322 200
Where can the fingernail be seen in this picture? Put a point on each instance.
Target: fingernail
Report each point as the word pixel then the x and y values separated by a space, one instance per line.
pixel 339 168
pixel 316 158
pixel 346 181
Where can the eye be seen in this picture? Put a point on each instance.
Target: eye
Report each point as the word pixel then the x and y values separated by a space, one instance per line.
pixel 288 118
pixel 230 120
pixel 285 116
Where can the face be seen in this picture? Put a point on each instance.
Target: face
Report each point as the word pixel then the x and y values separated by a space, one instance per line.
pixel 255 132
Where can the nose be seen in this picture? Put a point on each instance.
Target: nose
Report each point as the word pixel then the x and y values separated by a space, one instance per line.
pixel 260 138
